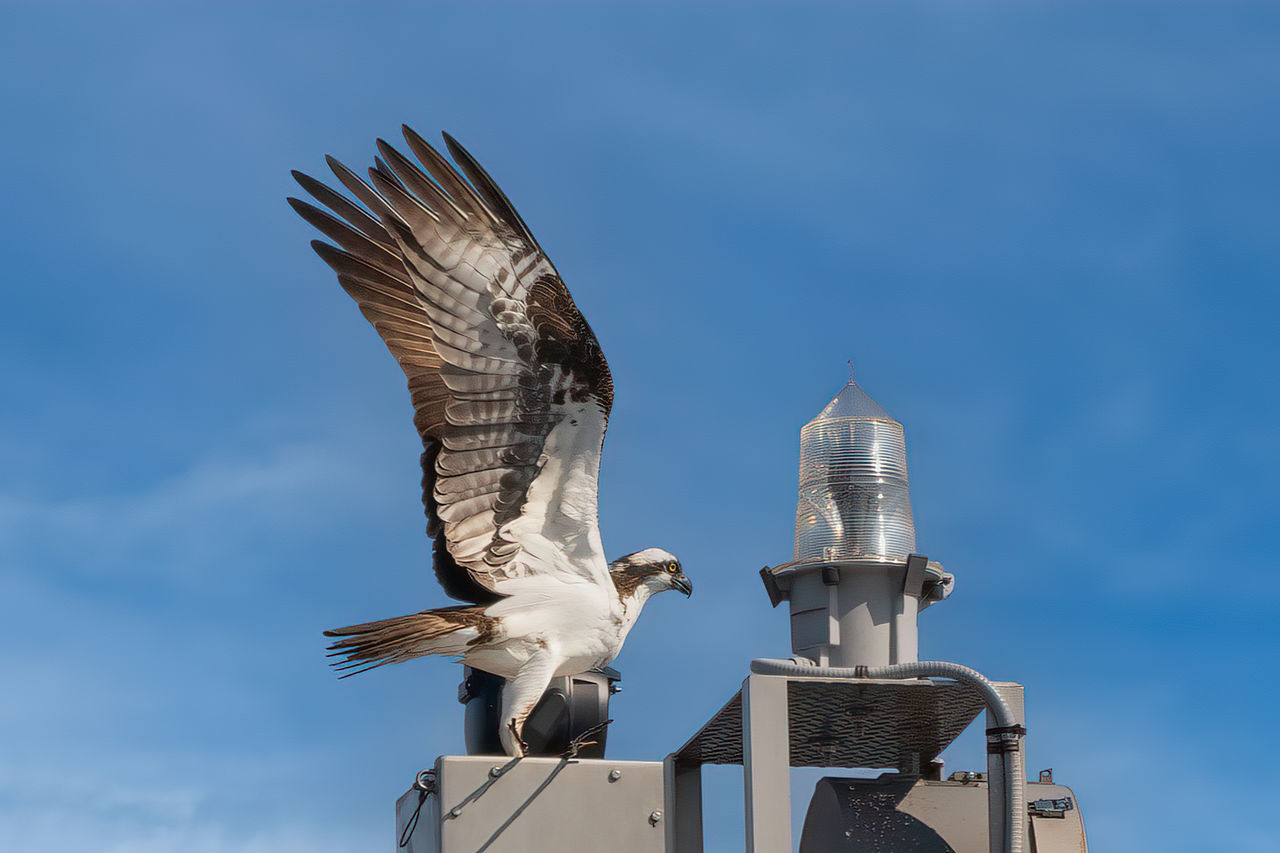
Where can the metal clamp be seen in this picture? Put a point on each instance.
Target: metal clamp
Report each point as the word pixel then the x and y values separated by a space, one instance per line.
pixel 1057 808
pixel 425 781
pixel 1004 739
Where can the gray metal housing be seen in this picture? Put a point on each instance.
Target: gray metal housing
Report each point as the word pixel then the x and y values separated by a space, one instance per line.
pixel 895 813
pixel 550 805
pixel 857 612
pixel 501 805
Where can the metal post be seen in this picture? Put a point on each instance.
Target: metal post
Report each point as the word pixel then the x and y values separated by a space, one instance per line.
pixel 1012 694
pixel 766 764
pixel 683 783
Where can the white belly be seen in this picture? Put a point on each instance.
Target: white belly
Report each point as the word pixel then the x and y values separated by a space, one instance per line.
pixel 575 625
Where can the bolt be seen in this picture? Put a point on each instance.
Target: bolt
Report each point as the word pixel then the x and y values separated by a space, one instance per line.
pixel 615 775
pixel 455 811
pixel 654 817
pixel 495 771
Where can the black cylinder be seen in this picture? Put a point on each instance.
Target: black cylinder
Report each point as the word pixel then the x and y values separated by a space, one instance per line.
pixel 570 706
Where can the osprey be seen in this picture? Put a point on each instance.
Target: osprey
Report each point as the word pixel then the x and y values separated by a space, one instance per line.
pixel 511 395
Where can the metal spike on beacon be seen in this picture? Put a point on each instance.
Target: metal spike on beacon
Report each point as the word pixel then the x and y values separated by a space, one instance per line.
pixel 853 698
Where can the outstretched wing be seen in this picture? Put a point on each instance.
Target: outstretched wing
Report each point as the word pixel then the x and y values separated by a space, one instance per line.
pixel 511 391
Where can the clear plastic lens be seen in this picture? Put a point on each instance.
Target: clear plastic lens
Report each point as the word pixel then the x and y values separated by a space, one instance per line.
pixel 855 498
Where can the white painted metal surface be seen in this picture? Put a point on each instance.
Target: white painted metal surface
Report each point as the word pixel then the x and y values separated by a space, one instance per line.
pixel 766 764
pixel 498 805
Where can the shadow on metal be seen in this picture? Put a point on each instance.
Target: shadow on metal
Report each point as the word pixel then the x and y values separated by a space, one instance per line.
pixel 479 792
pixel 555 771
pixel 865 815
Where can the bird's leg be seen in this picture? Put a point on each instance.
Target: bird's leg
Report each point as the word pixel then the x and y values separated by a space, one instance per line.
pixel 519 696
pixel 519 745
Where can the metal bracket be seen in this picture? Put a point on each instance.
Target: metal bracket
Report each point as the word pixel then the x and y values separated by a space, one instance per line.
pixel 1050 808
pixel 913 578
pixel 1002 739
pixel 776 595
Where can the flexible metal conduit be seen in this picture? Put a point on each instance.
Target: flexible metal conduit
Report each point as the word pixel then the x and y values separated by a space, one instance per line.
pixel 1015 806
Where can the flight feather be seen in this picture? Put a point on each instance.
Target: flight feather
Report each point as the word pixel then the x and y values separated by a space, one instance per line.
pixel 510 389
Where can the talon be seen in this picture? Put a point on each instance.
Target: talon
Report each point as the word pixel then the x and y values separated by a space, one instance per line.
pixel 518 742
pixel 574 747
pixel 579 742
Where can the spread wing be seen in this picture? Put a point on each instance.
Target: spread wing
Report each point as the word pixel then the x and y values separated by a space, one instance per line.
pixel 511 391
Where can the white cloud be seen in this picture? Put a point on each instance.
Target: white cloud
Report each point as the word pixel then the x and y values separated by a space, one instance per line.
pixel 64 829
pixel 178 524
pixel 100 797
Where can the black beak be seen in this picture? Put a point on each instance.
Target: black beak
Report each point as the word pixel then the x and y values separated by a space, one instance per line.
pixel 682 583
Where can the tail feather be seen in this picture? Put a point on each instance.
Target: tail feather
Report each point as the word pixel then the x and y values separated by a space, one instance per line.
pixel 446 631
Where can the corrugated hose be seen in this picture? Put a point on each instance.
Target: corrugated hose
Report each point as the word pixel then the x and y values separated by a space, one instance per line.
pixel 1003 738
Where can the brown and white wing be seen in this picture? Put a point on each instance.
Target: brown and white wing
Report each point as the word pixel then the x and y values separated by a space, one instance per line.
pixel 511 391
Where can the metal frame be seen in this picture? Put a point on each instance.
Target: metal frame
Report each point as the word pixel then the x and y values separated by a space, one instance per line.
pixel 902 725
pixel 683 783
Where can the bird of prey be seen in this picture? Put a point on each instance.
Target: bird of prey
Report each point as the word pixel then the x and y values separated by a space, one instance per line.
pixel 511 395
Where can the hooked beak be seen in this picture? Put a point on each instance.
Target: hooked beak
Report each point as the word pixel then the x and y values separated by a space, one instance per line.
pixel 682 584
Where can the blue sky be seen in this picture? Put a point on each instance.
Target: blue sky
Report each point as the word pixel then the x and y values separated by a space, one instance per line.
pixel 1045 234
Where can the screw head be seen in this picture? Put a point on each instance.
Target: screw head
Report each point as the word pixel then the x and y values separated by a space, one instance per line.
pixel 655 816
pixel 615 775
pixel 495 771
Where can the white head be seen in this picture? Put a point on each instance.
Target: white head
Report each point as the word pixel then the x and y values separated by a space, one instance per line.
pixel 653 568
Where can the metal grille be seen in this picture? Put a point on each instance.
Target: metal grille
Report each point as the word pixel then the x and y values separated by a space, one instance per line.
pixel 864 723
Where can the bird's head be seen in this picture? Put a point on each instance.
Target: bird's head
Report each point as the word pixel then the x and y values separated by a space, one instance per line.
pixel 656 569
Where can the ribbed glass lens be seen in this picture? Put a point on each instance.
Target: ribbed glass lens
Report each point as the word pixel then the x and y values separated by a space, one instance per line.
pixel 855 498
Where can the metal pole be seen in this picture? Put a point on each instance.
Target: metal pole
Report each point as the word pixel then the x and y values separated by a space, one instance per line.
pixel 683 783
pixel 766 764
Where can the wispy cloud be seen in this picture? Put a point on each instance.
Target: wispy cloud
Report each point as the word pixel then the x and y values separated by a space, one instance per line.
pixel 66 824
pixel 182 525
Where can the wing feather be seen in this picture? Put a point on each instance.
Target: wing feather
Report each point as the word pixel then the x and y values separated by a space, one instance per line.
pixel 354 214
pixel 510 389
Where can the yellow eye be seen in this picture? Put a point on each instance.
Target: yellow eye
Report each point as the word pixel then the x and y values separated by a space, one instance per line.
pixel 673 567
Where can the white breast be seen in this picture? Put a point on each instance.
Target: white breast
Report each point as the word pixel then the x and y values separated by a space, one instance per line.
pixel 577 622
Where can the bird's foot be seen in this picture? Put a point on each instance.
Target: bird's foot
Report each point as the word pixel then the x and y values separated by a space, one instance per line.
pixel 581 740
